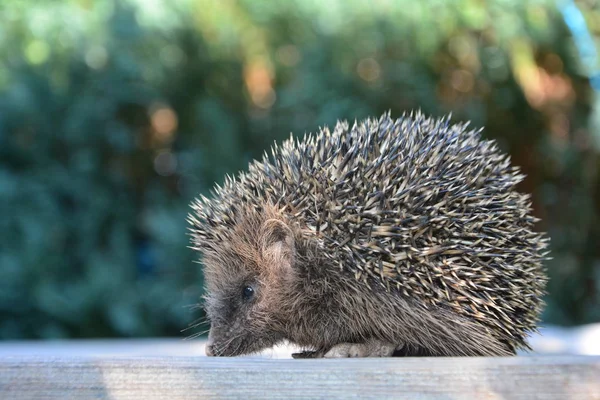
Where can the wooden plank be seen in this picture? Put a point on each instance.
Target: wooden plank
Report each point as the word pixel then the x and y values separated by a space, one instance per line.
pixel 85 377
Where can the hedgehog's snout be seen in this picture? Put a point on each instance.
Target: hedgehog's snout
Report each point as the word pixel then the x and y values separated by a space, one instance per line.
pixel 221 341
pixel 209 348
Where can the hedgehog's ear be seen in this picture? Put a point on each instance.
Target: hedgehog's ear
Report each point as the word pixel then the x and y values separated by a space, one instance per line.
pixel 278 243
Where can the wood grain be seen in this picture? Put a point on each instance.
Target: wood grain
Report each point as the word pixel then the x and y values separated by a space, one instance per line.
pixel 85 377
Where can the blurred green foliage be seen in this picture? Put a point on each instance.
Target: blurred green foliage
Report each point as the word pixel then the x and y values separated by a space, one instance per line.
pixel 115 114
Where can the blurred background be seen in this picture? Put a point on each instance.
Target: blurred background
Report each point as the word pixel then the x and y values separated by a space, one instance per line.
pixel 114 115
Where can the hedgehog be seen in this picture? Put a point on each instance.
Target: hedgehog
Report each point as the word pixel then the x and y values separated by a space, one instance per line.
pixel 393 237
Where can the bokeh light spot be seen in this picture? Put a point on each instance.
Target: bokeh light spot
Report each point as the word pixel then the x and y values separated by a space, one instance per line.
pixel 165 163
pixel 96 57
pixel 164 122
pixel 259 83
pixel 368 69
pixel 37 52
pixel 288 55
pixel 462 80
pixel 171 55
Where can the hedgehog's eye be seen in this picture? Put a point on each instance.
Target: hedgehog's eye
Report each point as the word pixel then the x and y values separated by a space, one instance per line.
pixel 247 292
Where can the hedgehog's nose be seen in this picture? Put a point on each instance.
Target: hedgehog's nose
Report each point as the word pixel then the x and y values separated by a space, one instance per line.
pixel 209 349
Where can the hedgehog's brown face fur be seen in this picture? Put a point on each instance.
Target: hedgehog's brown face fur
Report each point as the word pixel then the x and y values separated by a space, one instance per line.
pixel 245 276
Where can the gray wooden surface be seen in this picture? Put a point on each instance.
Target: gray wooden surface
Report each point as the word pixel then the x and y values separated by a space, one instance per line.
pixel 89 377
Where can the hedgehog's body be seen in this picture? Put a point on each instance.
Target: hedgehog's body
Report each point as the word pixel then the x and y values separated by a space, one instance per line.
pixel 402 236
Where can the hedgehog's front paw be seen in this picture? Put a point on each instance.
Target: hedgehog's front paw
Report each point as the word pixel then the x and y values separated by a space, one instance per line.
pixel 307 354
pixel 370 349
